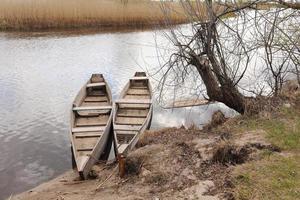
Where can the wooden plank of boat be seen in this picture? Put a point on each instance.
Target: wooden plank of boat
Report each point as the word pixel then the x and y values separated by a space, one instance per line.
pixel 135 106
pixel 126 128
pixel 96 93
pixel 86 143
pixel 129 96
pixel 132 113
pixel 138 92
pixel 89 132
pixel 100 120
pixel 126 133
pixel 130 120
pixel 95 84
pixel 88 129
pixel 86 108
pixel 134 101
pixel 95 104
pixel 139 78
pixel 96 99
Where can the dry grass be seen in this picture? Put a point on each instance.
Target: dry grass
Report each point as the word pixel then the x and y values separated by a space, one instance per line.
pixel 47 14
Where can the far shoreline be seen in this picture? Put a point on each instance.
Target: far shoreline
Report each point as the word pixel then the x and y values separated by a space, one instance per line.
pixel 88 30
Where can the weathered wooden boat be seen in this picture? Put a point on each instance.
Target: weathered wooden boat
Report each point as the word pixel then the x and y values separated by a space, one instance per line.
pixel 132 112
pixel 91 120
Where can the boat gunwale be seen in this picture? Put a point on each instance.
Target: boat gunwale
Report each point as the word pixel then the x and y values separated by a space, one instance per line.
pixel 77 101
pixel 143 126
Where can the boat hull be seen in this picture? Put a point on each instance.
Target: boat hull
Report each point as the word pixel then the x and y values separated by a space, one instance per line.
pixel 132 113
pixel 91 124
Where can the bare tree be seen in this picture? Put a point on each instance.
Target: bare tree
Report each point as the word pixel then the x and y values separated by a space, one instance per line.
pixel 220 49
pixel 276 60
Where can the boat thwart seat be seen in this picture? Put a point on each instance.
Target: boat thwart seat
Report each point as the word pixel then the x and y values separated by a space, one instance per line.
pixel 126 128
pixel 88 108
pixel 134 101
pixel 95 84
pixel 88 129
pixel 139 78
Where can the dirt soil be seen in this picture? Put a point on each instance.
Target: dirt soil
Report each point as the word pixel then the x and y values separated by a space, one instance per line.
pixel 172 163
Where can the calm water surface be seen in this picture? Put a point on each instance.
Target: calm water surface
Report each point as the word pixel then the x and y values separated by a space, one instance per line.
pixel 39 78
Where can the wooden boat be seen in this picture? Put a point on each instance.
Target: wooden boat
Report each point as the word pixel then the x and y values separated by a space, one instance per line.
pixel 91 118
pixel 132 112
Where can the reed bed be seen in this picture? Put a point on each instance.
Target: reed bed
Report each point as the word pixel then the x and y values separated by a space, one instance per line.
pixel 49 14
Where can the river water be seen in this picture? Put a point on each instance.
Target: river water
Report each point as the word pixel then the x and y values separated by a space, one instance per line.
pixel 40 74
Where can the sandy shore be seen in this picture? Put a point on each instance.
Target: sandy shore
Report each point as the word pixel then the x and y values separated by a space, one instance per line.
pixel 64 187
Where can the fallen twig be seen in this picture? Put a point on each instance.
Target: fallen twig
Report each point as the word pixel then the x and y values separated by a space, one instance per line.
pixel 102 183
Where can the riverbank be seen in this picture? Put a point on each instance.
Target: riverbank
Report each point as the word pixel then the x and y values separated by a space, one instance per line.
pixel 40 15
pixel 246 157
pixel 55 14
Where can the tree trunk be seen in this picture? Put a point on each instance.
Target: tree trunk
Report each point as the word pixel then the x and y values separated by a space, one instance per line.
pixel 226 92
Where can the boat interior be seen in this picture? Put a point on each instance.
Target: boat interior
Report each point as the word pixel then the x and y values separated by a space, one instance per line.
pixel 132 110
pixel 91 115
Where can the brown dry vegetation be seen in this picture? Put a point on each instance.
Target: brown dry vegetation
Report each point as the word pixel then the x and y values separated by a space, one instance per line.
pixel 44 14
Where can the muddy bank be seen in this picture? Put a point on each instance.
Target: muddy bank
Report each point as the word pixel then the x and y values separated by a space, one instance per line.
pixel 173 163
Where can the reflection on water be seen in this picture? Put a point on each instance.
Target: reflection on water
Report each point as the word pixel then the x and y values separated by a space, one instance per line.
pixel 39 78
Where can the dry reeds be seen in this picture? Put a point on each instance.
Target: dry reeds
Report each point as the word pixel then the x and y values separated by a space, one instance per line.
pixel 47 14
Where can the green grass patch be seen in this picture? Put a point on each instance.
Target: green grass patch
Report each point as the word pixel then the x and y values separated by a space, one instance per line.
pixel 275 177
pixel 282 129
